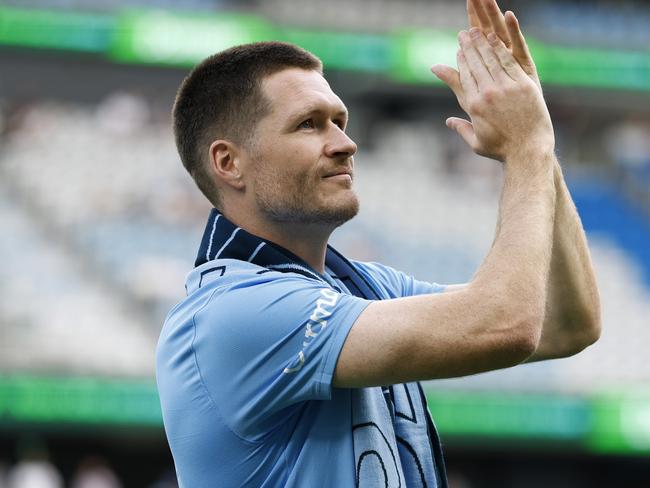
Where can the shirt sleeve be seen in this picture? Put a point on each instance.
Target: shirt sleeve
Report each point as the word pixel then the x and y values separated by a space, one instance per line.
pixel 396 283
pixel 266 345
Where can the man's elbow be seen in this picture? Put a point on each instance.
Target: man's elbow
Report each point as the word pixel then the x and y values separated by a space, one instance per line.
pixel 591 328
pixel 518 323
pixel 524 335
pixel 528 337
pixel 586 330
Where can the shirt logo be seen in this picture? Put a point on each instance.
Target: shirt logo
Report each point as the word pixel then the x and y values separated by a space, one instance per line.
pixel 317 322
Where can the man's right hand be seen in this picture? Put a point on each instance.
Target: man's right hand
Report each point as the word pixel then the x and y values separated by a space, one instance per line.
pixel 507 110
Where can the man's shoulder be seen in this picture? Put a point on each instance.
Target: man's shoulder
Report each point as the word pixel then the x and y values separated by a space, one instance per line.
pixel 395 283
pixel 226 293
pixel 225 273
pixel 378 274
pixel 231 286
pixel 374 268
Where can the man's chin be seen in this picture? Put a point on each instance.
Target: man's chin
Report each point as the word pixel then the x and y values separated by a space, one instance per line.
pixel 338 219
pixel 332 213
pixel 330 216
pixel 342 212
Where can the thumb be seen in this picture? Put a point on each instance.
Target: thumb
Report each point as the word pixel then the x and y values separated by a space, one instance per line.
pixel 464 128
pixel 450 77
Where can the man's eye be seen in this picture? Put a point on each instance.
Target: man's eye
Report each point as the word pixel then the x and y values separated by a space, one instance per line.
pixel 306 124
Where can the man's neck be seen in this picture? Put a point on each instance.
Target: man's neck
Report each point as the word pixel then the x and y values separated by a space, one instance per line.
pixel 307 241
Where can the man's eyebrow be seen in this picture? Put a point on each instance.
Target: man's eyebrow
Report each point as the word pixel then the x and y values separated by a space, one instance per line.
pixel 314 109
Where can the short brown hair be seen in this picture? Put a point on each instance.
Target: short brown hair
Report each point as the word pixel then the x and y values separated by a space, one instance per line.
pixel 222 98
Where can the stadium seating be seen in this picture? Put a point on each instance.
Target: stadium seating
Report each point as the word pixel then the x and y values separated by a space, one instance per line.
pixel 104 225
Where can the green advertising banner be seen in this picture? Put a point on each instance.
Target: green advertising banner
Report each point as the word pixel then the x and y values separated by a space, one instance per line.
pixel 161 37
pixel 414 52
pixel 55 29
pixel 510 415
pixel 341 50
pixel 612 423
pixel 592 67
pixel 30 399
pixel 621 423
pixel 182 39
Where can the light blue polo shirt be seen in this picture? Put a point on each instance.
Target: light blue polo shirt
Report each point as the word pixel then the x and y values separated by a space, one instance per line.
pixel 245 366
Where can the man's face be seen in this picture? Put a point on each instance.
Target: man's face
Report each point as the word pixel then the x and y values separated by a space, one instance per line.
pixel 301 158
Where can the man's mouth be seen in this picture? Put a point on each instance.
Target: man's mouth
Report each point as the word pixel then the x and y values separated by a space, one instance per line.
pixel 340 176
pixel 343 174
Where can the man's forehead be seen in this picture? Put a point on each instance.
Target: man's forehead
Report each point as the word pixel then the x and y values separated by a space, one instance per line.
pixel 293 89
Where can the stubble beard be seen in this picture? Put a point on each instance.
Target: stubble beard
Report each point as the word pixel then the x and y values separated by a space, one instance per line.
pixel 299 203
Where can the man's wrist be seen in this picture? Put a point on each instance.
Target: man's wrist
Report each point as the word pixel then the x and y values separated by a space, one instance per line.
pixel 542 151
pixel 558 174
pixel 530 162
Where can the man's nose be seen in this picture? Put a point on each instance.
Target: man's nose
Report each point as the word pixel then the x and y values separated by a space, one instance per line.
pixel 339 143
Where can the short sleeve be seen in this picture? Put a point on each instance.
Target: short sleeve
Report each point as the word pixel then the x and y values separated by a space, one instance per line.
pixel 268 344
pixel 395 283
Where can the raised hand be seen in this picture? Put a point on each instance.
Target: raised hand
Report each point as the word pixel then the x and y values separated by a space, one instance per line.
pixel 507 111
pixel 487 16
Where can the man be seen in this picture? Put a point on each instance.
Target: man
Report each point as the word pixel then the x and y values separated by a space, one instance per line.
pixel 290 365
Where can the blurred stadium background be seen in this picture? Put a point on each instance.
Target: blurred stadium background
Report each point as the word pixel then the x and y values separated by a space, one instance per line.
pixel 100 223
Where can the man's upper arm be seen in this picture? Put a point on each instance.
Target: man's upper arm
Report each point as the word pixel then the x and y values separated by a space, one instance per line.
pixel 270 343
pixel 462 331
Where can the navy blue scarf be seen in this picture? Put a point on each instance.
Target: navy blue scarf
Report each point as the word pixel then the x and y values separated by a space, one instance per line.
pixel 224 240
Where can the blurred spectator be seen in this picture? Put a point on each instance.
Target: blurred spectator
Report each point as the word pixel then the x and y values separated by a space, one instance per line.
pixel 3 120
pixel 458 480
pixel 3 474
pixel 167 480
pixel 122 113
pixel 94 472
pixel 628 143
pixel 34 474
pixel 34 470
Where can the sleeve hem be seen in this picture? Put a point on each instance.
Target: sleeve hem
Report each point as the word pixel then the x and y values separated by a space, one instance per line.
pixel 324 388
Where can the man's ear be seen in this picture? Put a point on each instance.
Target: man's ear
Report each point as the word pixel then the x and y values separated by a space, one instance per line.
pixel 225 161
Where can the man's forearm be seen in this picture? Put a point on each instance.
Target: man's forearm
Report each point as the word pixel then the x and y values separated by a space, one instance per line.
pixel 519 260
pixel 572 308
pixel 572 319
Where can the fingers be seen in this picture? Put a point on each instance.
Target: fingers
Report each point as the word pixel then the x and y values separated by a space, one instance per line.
pixel 467 80
pixel 450 77
pixel 473 60
pixel 464 128
pixel 490 59
pixel 472 17
pixel 461 81
pixel 479 14
pixel 519 47
pixel 507 62
pixel 497 21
